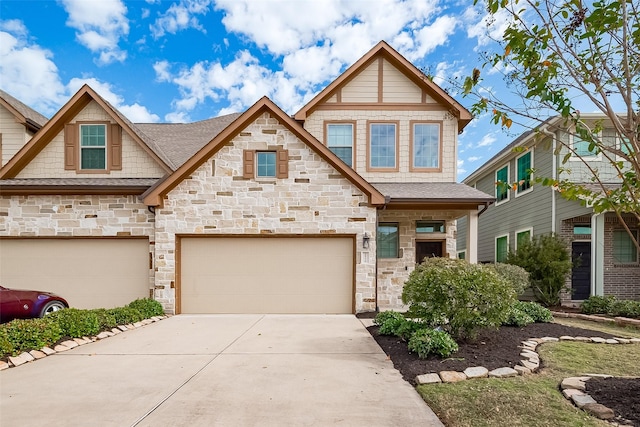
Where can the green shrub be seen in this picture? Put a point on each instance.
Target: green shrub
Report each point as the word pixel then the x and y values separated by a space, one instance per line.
pixel 548 262
pixel 126 315
pixel 518 318
pixel 538 313
pixel 389 322
pixel 517 276
pixel 458 296
pixel 407 328
pixel 28 334
pixel 625 308
pixel 76 323
pixel 596 304
pixel 148 307
pixel 106 319
pixel 430 341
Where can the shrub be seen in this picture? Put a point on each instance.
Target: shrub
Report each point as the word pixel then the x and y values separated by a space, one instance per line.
pixel 517 276
pixel 106 319
pixel 28 334
pixel 625 308
pixel 518 318
pixel 148 307
pixel 548 262
pixel 596 304
pixel 125 315
pixel 538 313
pixel 76 323
pixel 458 296
pixel 430 341
pixel 407 328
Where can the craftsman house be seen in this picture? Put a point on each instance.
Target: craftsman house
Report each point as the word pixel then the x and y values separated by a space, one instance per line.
pixel 609 263
pixel 325 211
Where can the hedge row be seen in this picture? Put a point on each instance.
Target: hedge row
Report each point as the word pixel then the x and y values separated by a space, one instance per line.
pixel 21 335
pixel 611 306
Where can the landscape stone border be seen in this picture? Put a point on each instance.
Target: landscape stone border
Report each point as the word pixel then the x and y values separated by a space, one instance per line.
pixel 530 361
pixel 622 321
pixel 30 356
pixel 574 389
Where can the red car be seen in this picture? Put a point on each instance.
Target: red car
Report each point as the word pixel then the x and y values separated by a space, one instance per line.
pixel 25 304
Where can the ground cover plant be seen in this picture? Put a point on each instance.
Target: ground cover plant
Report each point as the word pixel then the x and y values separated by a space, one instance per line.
pixel 22 335
pixel 532 400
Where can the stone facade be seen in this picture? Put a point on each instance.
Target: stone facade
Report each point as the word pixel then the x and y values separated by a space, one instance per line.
pixel 315 125
pixel 77 216
pixel 393 272
pixel 315 199
pixel 49 163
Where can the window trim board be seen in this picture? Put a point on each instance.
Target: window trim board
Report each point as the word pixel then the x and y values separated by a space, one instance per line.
pixel 412 167
pixel 369 168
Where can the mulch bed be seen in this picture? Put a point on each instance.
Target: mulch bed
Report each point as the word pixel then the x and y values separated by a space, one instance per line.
pixel 499 348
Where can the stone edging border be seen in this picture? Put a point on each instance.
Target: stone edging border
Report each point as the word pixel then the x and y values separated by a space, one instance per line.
pixel 622 321
pixel 30 356
pixel 529 364
pixel 574 389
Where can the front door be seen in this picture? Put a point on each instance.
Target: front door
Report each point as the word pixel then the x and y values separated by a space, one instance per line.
pixel 581 273
pixel 428 250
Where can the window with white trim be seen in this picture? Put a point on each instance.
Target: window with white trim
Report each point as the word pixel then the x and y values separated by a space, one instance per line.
pixel 502 184
pixel 523 236
pixel 502 248
pixel 524 165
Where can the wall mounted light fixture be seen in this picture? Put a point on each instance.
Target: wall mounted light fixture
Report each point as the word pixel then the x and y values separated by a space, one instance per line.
pixel 365 241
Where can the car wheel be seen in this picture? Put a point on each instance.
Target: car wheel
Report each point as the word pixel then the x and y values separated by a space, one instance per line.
pixel 51 307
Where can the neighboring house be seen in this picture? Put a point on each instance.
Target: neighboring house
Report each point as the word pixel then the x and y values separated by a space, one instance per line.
pixel 609 263
pixel 18 123
pixel 323 212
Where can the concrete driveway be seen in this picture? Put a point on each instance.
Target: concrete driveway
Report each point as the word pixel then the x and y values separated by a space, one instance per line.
pixel 218 370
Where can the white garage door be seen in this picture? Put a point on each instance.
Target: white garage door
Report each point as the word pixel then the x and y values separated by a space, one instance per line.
pixel 266 275
pixel 88 273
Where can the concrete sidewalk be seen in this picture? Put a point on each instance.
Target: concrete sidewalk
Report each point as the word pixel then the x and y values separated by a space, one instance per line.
pixel 218 370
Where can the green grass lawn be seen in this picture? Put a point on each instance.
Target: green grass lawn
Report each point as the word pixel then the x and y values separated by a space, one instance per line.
pixel 535 400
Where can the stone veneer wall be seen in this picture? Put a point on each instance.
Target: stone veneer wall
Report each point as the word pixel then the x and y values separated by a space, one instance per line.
pixel 76 216
pixel 393 272
pixel 49 163
pixel 315 123
pixel 314 199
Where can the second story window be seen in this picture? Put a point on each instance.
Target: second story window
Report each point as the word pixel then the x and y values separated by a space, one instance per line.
pixel 583 149
pixel 266 164
pixel 502 184
pixel 425 145
pixel 524 165
pixel 93 147
pixel 340 141
pixel 382 146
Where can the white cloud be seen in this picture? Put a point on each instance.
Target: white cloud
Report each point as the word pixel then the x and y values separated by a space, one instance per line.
pixel 180 117
pixel 28 71
pixel 473 159
pixel 487 140
pixel 162 71
pixel 486 28
pixel 432 36
pixel 100 26
pixel 134 112
pixel 461 169
pixel 181 16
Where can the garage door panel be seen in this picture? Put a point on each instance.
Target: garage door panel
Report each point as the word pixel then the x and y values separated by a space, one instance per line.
pixel 266 275
pixel 89 273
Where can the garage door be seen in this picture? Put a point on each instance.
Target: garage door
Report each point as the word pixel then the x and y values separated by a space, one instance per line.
pixel 266 275
pixel 88 273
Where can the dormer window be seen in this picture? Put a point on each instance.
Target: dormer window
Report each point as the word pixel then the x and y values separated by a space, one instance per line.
pixel 93 147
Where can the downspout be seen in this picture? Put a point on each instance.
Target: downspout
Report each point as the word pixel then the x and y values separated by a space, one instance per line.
pixel 486 206
pixel 554 175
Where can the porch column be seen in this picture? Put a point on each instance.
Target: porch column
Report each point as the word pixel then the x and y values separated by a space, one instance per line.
pixel 597 254
pixel 472 236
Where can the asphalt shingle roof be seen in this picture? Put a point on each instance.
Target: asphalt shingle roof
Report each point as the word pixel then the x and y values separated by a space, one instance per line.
pixel 28 112
pixel 432 191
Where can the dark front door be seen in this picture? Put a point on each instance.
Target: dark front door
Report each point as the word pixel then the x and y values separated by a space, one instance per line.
pixel 428 250
pixel 581 273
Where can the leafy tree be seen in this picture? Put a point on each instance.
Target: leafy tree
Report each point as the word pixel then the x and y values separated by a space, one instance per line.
pixel 555 51
pixel 548 262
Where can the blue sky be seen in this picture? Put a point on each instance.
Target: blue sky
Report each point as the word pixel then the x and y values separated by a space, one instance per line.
pixel 188 60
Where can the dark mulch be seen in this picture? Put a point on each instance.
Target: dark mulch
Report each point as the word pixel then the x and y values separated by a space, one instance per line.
pixel 491 349
pixel 499 348
pixel 620 394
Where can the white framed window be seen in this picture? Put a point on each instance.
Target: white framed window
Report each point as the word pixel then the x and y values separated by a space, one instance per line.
pixel 425 145
pixel 503 188
pixel 383 146
pixel 523 235
pixel 502 248
pixel 340 141
pixel 624 145
pixel 581 149
pixel 524 174
pixel 93 147
pixel 462 254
